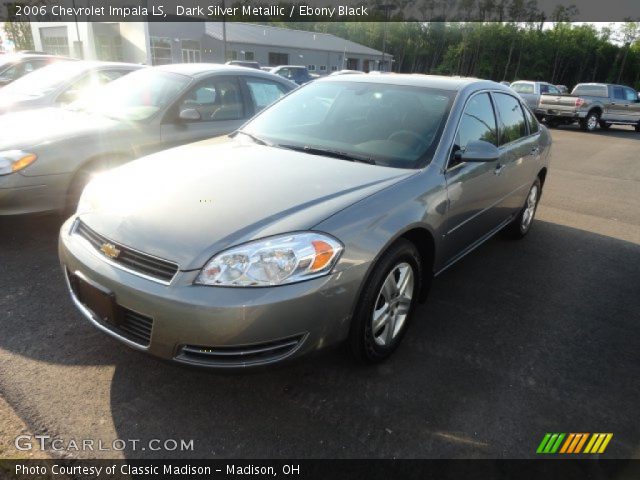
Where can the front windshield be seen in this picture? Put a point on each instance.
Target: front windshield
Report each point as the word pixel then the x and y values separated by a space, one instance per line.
pixel 136 96
pixel 392 125
pixel 45 80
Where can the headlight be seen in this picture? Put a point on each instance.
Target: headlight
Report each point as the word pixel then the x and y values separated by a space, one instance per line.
pixel 273 261
pixel 12 161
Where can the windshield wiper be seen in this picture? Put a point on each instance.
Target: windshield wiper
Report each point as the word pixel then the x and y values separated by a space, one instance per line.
pixel 329 153
pixel 258 140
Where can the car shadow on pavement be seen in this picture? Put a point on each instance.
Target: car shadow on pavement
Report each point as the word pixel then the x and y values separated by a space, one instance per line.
pixel 518 339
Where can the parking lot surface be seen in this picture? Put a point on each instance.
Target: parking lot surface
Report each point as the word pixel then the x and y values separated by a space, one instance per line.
pixel 518 339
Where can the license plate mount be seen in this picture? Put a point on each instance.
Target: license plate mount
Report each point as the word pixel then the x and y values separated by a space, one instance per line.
pixel 99 300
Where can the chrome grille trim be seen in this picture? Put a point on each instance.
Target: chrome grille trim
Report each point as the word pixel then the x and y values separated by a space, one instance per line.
pixel 131 260
pixel 241 355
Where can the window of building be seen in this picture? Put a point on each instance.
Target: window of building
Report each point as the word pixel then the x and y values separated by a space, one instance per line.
pixel 109 48
pixel 276 59
pixel 334 68
pixel 323 68
pixel 231 55
pixel 55 40
pixel 190 51
pixel 352 64
pixel 160 51
pixel 249 56
pixel 512 122
pixel 311 68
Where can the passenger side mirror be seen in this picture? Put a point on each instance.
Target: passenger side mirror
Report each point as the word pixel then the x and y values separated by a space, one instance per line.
pixel 478 151
pixel 189 114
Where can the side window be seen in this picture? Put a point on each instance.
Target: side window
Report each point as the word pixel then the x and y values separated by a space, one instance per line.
pixel 107 76
pixel 264 92
pixel 631 95
pixel 534 126
pixel 544 88
pixel 215 99
pixel 478 122
pixel 553 90
pixel 618 93
pixel 523 87
pixel 512 125
pixel 75 90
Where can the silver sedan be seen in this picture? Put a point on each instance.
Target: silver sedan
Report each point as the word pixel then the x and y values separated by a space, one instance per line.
pixel 324 220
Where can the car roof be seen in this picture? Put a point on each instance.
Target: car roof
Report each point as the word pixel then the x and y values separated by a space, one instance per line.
pixel 417 80
pixel 198 69
pixel 16 57
pixel 289 66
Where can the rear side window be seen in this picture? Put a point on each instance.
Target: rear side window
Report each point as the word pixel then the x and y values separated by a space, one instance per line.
pixel 523 87
pixel 534 126
pixel 591 90
pixel 264 92
pixel 478 122
pixel 618 93
pixel 512 124
pixel 549 89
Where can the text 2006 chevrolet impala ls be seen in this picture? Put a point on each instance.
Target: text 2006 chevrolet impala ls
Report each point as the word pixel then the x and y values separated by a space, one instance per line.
pixel 323 220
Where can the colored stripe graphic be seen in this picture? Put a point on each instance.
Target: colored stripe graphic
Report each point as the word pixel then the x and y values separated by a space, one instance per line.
pixel 555 443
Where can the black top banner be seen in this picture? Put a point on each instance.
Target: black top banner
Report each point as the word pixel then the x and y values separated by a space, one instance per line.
pixel 534 11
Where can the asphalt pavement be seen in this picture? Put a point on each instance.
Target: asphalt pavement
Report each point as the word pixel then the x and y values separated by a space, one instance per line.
pixel 518 339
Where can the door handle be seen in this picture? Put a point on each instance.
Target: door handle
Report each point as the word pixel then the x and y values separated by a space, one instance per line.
pixel 498 169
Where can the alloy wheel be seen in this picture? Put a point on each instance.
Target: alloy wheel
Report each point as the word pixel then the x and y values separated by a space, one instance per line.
pixel 530 208
pixel 393 304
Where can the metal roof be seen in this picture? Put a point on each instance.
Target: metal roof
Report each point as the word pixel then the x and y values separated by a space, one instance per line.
pixel 287 38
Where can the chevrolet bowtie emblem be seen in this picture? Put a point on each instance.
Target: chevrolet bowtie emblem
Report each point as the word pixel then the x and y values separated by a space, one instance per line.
pixel 110 250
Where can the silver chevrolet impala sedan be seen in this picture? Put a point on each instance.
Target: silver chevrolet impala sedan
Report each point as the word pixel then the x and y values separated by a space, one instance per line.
pixel 323 220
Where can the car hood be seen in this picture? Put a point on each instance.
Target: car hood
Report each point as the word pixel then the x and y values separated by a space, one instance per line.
pixel 191 202
pixel 30 128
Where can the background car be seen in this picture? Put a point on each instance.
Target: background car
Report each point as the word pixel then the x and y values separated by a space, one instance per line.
pixel 531 91
pixel 47 155
pixel 346 72
pixel 12 67
pixel 295 73
pixel 324 220
pixel 60 84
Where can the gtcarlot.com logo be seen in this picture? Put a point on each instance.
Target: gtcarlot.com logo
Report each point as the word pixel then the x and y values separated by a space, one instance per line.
pixel 573 443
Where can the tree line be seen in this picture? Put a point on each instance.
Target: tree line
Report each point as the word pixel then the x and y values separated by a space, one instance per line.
pixel 558 52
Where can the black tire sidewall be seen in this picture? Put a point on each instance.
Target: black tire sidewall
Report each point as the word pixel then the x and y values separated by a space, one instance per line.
pixel 361 339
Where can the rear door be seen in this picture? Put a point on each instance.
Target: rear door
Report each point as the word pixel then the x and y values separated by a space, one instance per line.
pixel 473 189
pixel 618 104
pixel 220 104
pixel 632 105
pixel 518 151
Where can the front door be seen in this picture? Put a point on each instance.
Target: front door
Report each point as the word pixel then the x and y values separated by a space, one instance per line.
pixel 473 189
pixel 221 108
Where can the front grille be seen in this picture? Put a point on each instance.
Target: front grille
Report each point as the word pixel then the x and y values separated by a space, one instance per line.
pixel 239 356
pixel 128 258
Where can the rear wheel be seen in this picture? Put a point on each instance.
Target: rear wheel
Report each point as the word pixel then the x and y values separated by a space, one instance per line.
pixel 386 304
pixel 521 225
pixel 590 122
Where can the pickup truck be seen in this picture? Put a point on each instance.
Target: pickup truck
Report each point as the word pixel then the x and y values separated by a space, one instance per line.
pixel 592 105
pixel 531 91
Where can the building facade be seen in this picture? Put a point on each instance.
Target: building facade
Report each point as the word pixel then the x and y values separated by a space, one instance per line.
pixel 157 43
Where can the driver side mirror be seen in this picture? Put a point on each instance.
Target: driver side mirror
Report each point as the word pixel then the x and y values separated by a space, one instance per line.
pixel 189 114
pixel 478 151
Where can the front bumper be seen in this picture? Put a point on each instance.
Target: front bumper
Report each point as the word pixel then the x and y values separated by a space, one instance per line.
pixel 215 326
pixel 20 194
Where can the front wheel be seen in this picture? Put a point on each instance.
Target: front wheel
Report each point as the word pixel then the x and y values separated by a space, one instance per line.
pixel 386 304
pixel 521 225
pixel 590 122
pixel 605 125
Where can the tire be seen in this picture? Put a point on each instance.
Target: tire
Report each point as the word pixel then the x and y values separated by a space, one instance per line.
pixel 590 122
pixel 552 122
pixel 371 344
pixel 604 125
pixel 521 225
pixel 638 127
